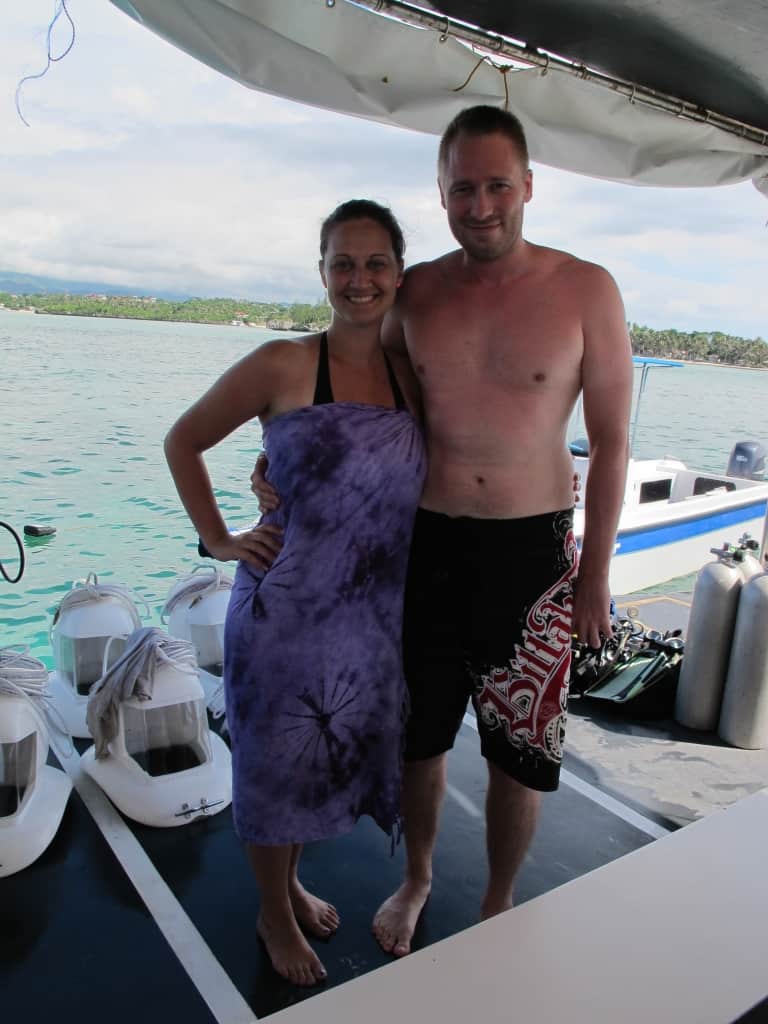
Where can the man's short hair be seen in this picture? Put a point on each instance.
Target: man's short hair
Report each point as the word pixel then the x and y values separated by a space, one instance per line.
pixel 482 120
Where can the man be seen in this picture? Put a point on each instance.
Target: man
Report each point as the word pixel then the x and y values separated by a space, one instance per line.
pixel 503 335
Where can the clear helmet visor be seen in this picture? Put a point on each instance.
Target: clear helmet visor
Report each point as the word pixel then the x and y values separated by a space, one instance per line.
pixel 169 739
pixel 208 641
pixel 18 770
pixel 80 660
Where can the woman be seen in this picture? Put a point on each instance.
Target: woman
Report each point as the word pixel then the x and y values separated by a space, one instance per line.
pixel 313 676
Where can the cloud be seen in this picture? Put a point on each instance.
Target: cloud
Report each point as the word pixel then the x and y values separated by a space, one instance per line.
pixel 692 259
pixel 145 168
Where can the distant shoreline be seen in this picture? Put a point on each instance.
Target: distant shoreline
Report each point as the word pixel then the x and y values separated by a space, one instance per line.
pixel 297 328
pixel 164 320
pixel 706 362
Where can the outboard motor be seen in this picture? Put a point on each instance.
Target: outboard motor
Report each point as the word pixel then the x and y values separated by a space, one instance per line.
pixel 747 460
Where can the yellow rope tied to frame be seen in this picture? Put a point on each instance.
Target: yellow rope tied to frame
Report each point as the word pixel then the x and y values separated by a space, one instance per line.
pixel 502 71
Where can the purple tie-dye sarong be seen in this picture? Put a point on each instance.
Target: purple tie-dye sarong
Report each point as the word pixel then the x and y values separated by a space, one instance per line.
pixel 313 674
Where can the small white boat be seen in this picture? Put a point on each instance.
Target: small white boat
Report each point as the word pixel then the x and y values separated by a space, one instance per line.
pixel 674 515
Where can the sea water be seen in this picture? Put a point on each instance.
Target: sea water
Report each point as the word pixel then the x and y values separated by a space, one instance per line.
pixel 85 405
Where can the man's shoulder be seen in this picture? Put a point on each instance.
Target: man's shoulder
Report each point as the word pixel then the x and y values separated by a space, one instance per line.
pixel 424 277
pixel 571 267
pixel 558 260
pixel 428 268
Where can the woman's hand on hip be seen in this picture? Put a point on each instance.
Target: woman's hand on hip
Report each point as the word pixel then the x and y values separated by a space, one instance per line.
pixel 268 497
pixel 259 546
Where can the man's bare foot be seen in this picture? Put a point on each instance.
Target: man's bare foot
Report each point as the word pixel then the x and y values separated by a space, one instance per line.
pixel 313 914
pixel 290 953
pixel 491 908
pixel 396 918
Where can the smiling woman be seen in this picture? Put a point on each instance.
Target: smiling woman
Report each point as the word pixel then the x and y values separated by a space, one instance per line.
pixel 313 668
pixel 361 265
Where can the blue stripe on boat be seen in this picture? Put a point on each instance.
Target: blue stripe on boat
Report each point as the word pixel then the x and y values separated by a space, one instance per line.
pixel 641 538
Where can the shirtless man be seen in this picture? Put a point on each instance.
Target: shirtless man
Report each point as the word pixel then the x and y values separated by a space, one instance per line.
pixel 503 335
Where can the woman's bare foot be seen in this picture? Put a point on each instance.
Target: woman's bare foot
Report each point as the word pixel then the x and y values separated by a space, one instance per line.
pixel 290 953
pixel 313 914
pixel 396 918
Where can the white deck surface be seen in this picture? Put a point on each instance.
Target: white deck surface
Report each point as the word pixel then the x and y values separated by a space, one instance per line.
pixel 676 931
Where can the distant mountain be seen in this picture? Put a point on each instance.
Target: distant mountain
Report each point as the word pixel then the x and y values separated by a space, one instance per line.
pixel 29 284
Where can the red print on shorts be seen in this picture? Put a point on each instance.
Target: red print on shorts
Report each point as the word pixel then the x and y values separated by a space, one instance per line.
pixel 528 696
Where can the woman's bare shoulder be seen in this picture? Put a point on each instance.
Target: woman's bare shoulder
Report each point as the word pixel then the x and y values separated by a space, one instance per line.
pixel 290 349
pixel 279 356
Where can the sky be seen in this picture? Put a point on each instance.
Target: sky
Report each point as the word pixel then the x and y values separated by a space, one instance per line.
pixel 143 168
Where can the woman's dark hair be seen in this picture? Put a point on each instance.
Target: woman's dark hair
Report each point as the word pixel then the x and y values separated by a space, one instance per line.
pixel 364 209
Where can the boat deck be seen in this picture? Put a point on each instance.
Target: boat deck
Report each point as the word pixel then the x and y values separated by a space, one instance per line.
pixel 662 768
pixel 122 922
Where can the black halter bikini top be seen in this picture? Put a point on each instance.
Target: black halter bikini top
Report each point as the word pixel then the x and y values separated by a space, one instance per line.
pixel 323 392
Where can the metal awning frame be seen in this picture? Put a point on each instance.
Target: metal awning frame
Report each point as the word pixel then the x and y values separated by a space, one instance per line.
pixel 493 45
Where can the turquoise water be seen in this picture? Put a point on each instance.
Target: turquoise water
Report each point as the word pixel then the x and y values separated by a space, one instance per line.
pixel 84 407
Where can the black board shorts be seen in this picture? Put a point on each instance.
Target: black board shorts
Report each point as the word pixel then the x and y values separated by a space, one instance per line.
pixel 488 608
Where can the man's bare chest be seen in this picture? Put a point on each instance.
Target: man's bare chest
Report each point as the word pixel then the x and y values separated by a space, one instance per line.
pixel 510 346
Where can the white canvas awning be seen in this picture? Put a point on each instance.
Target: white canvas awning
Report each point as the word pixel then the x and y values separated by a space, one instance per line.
pixel 611 117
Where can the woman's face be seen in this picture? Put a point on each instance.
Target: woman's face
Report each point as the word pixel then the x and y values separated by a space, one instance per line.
pixel 360 271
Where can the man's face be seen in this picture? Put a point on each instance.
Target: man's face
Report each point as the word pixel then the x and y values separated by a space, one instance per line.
pixel 484 185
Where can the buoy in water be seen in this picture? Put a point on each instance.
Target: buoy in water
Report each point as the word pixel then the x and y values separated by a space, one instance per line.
pixel 38 531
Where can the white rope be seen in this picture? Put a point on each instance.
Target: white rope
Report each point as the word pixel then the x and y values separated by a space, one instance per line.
pixel 203 580
pixel 21 675
pixel 90 590
pixel 132 675
pixel 216 703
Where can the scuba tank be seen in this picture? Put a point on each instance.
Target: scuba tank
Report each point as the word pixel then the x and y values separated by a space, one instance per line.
pixel 750 563
pixel 744 715
pixel 710 632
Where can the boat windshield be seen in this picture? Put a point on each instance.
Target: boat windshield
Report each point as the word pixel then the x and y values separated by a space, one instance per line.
pixel 577 431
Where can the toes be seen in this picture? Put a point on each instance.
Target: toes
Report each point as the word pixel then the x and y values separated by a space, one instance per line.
pixel 385 939
pixel 302 974
pixel 330 920
pixel 390 941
